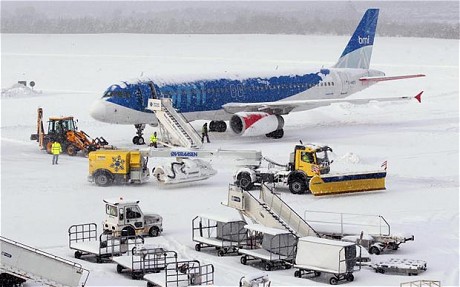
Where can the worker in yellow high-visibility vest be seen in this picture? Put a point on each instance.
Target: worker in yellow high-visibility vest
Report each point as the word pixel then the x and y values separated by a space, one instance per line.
pixel 56 151
pixel 153 140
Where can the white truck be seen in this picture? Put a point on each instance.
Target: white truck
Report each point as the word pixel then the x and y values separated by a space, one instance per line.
pixel 125 218
pixel 337 258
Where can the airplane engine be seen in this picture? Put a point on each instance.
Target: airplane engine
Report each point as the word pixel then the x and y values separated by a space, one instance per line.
pixel 255 123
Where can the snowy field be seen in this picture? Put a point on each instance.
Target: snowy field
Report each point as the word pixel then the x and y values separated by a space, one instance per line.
pixel 420 141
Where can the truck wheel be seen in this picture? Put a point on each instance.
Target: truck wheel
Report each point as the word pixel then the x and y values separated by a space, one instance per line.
pixel 244 260
pixel 245 182
pixel 333 281
pixel 128 231
pixel 350 277
pixel 374 250
pixel 78 254
pixel 268 266
pixel 102 178
pixel 154 231
pixel 71 150
pixel 297 186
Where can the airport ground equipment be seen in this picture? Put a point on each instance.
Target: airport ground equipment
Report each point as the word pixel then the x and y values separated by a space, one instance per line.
pixel 118 166
pixel 273 247
pixel 125 217
pixel 64 130
pixel 268 210
pixel 395 265
pixel 143 260
pixel 373 232
pixel 308 170
pixel 255 280
pixel 19 262
pixel 226 235
pixel 318 255
pixel 84 239
pixel 174 127
pixel 183 170
pixel 182 273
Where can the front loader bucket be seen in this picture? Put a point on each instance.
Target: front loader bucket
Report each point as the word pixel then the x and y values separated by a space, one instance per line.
pixel 344 183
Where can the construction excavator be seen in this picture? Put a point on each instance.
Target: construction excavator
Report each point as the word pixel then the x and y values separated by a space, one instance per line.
pixel 308 171
pixel 64 130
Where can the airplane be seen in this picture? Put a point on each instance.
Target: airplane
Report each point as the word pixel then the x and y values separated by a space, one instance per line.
pixel 254 106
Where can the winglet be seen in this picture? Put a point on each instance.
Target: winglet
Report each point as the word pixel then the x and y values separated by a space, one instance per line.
pixel 419 97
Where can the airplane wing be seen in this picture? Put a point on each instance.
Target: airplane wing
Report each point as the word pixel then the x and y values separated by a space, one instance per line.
pixel 389 78
pixel 285 107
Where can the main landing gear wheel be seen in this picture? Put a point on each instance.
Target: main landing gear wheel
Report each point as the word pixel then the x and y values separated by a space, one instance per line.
pixel 276 134
pixel 138 139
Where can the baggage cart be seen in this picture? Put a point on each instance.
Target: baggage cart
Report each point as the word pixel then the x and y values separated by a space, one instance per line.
pixel 226 235
pixel 405 266
pixel 273 247
pixel 84 240
pixel 182 273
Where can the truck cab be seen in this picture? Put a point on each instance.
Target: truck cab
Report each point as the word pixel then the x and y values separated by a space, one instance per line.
pixel 124 217
pixel 310 159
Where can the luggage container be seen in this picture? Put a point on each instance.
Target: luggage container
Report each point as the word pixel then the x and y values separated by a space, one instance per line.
pixel 84 240
pixel 273 247
pixel 316 255
pixel 226 235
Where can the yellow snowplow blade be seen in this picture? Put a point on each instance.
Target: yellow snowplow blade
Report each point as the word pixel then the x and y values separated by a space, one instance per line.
pixel 343 183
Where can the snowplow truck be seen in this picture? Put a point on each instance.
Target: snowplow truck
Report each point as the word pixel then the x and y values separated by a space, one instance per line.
pixel 308 171
pixel 64 130
pixel 117 166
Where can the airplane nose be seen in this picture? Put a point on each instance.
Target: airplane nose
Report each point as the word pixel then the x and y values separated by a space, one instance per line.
pixel 98 111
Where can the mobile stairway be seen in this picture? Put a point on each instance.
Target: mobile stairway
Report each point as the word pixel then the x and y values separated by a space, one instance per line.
pixel 20 262
pixel 269 210
pixel 174 127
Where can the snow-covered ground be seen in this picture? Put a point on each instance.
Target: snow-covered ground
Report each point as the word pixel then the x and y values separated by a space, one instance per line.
pixel 40 201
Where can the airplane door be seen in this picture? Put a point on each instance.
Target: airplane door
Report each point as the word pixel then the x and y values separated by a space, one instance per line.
pixel 345 83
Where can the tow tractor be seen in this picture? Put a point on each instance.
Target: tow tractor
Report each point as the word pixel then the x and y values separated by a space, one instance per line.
pixel 125 218
pixel 64 130
pixel 308 170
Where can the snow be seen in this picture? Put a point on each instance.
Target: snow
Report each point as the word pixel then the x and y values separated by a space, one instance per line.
pixel 40 201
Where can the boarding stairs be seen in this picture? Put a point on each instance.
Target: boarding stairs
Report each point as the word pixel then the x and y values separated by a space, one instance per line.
pixel 269 210
pixel 26 262
pixel 174 126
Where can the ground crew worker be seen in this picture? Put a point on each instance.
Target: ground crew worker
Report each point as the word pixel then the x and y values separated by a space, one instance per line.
pixel 204 133
pixel 306 157
pixel 153 140
pixel 56 150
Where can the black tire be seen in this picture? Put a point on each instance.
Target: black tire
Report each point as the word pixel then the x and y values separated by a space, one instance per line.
pixel 119 268
pixel 244 181
pixel 297 274
pixel 333 281
pixel 140 141
pixel 154 231
pixel 220 252
pixel 98 259
pixel 135 140
pixel 103 178
pixel 197 247
pixel 374 250
pixel 350 278
pixel 380 270
pixel 71 150
pixel 78 254
pixel 267 266
pixel 297 186
pixel 244 260
pixel 287 266
pixel 128 231
pixel 150 284
pixel 317 273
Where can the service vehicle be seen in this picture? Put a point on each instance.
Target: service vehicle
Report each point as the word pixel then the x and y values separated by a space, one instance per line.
pixel 64 130
pixel 118 166
pixel 396 265
pixel 308 170
pixel 125 217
